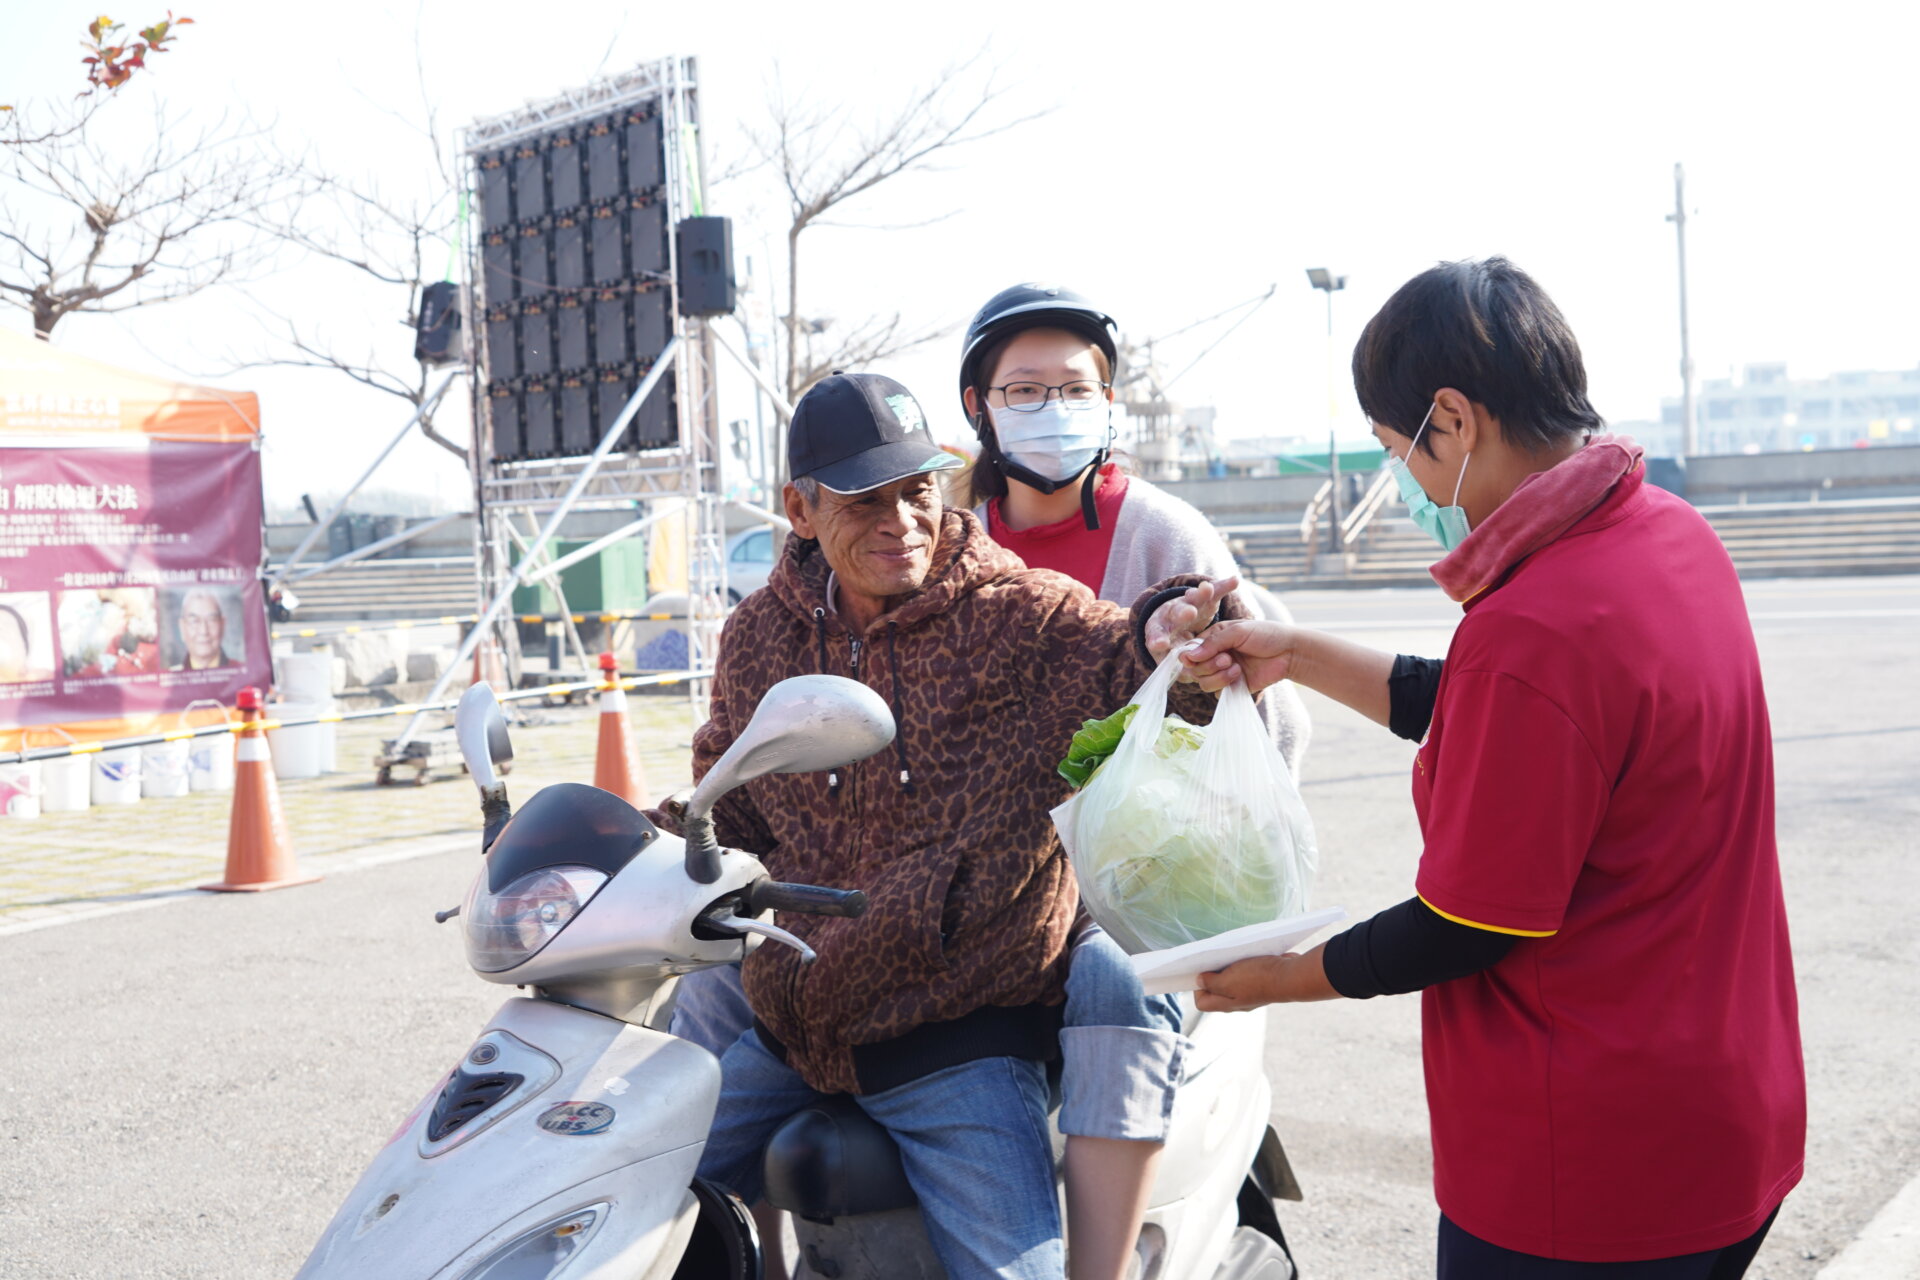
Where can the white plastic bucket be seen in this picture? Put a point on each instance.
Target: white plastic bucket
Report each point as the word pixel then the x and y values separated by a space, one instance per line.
pixel 66 784
pixel 304 751
pixel 210 763
pixel 116 776
pixel 306 677
pixel 209 759
pixel 163 769
pixel 20 790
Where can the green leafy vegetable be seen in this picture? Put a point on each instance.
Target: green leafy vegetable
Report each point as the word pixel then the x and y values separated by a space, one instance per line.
pixel 1098 739
pixel 1093 744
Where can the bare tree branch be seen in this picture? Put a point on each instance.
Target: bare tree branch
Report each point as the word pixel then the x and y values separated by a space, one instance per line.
pixel 823 159
pixel 104 226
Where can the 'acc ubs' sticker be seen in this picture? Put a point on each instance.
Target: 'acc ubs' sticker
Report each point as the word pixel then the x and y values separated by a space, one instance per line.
pixel 576 1119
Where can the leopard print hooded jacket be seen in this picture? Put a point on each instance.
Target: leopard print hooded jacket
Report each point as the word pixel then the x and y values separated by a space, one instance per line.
pixel 989 668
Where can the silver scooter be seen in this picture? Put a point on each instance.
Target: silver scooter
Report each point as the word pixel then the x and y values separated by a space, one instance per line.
pixel 564 1143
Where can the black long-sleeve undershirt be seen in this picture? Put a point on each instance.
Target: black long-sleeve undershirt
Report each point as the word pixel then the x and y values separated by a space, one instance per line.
pixel 1406 948
pixel 1412 689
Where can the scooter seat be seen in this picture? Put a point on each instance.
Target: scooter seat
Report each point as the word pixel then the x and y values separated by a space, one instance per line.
pixel 833 1159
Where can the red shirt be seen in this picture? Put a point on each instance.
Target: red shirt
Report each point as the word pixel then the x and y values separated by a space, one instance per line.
pixel 1068 546
pixel 1626 1084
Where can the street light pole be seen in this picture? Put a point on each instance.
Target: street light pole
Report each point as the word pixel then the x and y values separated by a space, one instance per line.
pixel 1327 282
pixel 1689 438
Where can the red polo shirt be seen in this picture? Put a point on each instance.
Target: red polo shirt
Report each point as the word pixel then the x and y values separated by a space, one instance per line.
pixel 1598 778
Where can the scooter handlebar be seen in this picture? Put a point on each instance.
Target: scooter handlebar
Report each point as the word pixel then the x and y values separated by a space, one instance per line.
pixel 805 899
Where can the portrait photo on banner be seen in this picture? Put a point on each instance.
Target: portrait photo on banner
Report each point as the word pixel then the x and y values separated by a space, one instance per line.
pixel 201 627
pixel 26 637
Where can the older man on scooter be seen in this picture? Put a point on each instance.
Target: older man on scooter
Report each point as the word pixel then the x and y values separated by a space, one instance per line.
pixel 939 1009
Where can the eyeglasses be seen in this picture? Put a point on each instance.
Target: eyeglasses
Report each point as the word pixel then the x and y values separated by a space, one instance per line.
pixel 1031 397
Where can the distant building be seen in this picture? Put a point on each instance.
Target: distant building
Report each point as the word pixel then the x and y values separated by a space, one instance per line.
pixel 1765 411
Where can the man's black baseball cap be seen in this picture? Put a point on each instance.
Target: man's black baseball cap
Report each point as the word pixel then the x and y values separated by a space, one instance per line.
pixel 857 431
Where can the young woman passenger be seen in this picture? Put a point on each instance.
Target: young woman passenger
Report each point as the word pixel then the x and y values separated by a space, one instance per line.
pixel 1036 380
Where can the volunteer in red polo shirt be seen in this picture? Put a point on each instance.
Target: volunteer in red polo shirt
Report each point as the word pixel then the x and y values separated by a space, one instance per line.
pixel 1610 1027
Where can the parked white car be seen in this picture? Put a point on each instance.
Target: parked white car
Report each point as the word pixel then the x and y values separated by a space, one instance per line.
pixel 750 556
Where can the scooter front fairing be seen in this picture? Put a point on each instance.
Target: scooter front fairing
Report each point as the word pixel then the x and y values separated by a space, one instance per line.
pixel 577 1141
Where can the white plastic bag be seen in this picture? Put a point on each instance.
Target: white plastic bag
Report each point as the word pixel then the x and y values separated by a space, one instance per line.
pixel 1173 842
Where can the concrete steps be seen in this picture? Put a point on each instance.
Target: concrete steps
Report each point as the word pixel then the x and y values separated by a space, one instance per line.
pixel 1776 540
pixel 1810 539
pixel 388 590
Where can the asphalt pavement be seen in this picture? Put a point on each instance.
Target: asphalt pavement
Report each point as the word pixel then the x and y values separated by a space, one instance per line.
pixel 188 1091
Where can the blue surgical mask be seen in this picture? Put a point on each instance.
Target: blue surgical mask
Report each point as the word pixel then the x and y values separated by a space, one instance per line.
pixel 1055 441
pixel 1445 525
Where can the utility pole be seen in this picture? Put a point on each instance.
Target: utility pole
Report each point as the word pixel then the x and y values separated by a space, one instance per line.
pixel 1324 280
pixel 1689 432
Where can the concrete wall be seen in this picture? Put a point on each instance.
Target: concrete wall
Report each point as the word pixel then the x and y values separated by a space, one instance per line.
pixel 1249 500
pixel 1888 471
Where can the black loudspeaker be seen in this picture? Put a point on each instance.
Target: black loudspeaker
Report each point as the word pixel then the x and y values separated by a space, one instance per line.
pixel 537 406
pixel 577 433
pixel 706 267
pixel 570 332
pixel 436 338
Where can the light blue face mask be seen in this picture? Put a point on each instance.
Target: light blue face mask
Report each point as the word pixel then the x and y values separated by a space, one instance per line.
pixel 1445 525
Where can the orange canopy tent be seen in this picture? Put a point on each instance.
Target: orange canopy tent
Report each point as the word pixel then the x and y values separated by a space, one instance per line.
pixel 51 395
pixel 47 391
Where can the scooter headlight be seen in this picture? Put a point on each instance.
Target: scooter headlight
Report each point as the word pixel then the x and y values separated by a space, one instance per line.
pixel 510 927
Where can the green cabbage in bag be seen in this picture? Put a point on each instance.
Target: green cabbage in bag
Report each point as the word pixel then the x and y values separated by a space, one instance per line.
pixel 1181 833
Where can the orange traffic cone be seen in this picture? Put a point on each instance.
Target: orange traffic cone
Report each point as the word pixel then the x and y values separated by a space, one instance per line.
pixel 489 664
pixel 259 854
pixel 615 767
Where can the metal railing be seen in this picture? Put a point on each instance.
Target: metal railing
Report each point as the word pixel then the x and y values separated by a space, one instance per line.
pixel 1354 527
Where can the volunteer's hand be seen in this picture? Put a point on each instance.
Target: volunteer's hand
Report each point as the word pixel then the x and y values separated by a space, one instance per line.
pixel 1248 984
pixel 1177 621
pixel 1260 652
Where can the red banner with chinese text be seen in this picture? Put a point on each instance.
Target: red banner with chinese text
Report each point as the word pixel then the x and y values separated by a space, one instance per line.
pixel 129 579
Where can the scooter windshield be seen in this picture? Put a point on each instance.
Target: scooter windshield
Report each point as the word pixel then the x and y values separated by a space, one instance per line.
pixel 568 825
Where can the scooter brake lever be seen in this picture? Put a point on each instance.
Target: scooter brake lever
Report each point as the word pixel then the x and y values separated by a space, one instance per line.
pixel 441 917
pixel 770 931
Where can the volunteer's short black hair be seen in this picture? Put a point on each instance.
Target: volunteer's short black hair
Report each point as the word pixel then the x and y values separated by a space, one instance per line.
pixel 1487 330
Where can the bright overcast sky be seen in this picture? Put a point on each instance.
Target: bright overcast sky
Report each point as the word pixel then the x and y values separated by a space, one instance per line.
pixel 1195 154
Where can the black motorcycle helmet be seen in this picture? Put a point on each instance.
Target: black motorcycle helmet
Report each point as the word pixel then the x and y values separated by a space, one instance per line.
pixel 1033 306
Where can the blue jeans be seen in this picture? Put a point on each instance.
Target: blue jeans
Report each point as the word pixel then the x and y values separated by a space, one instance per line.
pixel 1122 1054
pixel 972 1138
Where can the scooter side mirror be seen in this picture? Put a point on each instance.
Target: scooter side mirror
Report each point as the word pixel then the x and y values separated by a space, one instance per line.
pixel 481 729
pixel 802 725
